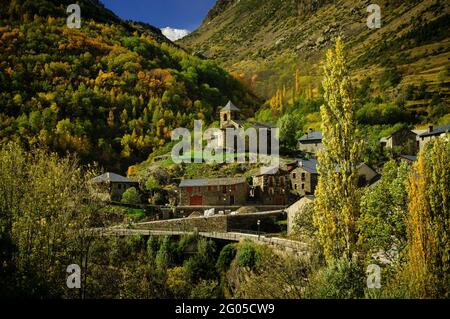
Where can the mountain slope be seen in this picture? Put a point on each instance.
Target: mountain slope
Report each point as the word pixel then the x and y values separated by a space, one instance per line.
pixel 111 91
pixel 266 41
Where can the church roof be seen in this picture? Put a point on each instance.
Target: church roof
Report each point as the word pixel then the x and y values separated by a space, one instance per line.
pixel 230 107
pixel 111 177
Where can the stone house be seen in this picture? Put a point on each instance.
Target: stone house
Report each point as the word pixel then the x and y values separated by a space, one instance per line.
pixel 311 142
pixel 213 192
pixel 304 177
pixel 111 186
pixel 403 139
pixel 299 207
pixel 366 175
pixel 432 133
pixel 271 187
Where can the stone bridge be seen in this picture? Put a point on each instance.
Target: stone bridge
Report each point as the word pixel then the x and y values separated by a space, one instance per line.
pixel 279 244
pixel 232 228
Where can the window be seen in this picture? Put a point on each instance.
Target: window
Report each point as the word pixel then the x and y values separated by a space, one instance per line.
pixel 119 186
pixel 225 118
pixel 233 188
pixel 189 189
pixel 209 188
pixel 303 186
pixel 303 176
pixel 294 176
pixel 295 186
pixel 224 189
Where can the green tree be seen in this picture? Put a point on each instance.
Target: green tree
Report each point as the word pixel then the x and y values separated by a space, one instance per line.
pixel 178 282
pixel 226 256
pixel 152 184
pixel 384 208
pixel 131 196
pixel 163 257
pixel 337 202
pixel 289 125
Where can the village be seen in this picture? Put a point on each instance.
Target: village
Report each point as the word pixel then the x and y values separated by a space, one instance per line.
pixel 284 190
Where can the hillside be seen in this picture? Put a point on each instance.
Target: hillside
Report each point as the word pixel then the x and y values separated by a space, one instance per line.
pixel 265 42
pixel 111 91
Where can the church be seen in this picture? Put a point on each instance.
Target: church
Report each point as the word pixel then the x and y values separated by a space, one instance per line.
pixel 253 136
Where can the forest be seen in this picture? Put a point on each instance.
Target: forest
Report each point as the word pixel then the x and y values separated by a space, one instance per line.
pixel 105 92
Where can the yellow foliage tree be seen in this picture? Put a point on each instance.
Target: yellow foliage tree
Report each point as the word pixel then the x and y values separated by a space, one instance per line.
pixel 278 100
pixel 428 222
pixel 336 205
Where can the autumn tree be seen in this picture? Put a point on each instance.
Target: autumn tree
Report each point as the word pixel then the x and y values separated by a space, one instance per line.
pixel 337 202
pixel 428 222
pixel 45 209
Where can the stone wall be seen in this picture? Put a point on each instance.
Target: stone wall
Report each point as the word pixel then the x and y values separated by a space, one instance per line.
pixel 184 211
pixel 218 223
pixel 249 221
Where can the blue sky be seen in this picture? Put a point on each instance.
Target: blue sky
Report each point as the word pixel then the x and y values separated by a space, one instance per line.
pixel 180 14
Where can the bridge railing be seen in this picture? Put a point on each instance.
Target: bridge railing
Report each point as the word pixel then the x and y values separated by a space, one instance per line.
pixel 247 231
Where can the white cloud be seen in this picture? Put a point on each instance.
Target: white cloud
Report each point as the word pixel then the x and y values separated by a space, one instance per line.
pixel 174 34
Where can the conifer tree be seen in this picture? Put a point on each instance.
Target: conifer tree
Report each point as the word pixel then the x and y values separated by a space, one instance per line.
pixel 337 202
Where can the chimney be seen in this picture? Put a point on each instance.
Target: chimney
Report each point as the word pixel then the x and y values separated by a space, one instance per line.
pixel 430 128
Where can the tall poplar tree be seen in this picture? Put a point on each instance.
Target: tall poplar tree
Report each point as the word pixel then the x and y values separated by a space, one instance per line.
pixel 428 222
pixel 337 202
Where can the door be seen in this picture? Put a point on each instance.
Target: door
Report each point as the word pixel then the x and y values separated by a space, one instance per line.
pixel 231 200
pixel 196 201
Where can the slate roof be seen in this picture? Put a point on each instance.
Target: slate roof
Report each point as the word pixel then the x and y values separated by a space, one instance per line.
pixel 384 139
pixel 111 177
pixel 437 131
pixel 230 107
pixel 271 170
pixel 308 165
pixel 311 136
pixel 213 181
pixel 411 158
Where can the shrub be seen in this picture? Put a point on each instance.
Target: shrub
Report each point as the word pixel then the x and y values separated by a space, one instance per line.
pixel 342 279
pixel 247 255
pixel 131 196
pixel 206 289
pixel 226 257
